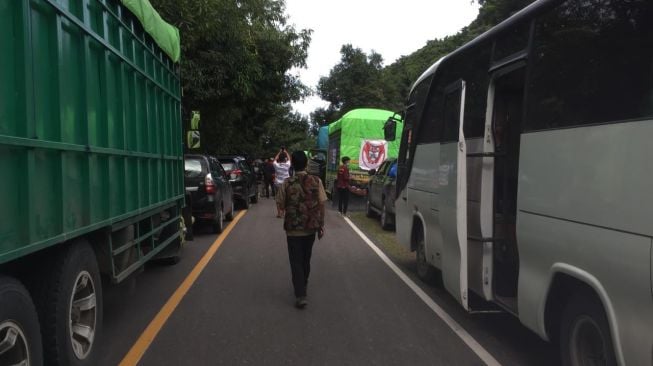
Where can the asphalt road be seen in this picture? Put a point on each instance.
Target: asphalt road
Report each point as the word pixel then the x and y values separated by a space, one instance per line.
pixel 240 309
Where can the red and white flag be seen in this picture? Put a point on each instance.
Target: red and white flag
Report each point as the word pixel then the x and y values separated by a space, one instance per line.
pixel 372 154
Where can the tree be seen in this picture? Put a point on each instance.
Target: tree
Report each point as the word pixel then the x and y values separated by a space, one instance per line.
pixel 236 57
pixel 352 83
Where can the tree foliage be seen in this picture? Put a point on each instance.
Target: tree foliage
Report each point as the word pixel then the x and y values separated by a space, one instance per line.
pixel 360 80
pixel 236 58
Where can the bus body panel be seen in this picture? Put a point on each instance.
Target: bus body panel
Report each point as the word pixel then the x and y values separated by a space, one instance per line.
pixel 454 265
pixel 561 220
pixel 546 244
pixel 423 196
pixel 571 181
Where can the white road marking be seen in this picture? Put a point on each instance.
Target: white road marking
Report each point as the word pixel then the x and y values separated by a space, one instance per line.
pixel 481 352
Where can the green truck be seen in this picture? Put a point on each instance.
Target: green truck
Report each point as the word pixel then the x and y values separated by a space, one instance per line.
pixel 91 159
pixel 359 135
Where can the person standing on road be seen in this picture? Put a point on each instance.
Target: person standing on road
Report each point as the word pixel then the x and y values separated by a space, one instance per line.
pixel 342 184
pixel 302 199
pixel 281 167
pixel 268 178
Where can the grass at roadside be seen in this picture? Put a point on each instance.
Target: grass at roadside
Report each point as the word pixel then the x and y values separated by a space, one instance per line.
pixel 384 239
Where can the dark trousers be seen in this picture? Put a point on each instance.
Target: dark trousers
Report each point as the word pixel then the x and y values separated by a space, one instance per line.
pixel 269 185
pixel 343 199
pixel 299 253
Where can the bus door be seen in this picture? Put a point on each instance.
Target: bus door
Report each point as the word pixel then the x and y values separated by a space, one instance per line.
pixel 499 185
pixel 453 182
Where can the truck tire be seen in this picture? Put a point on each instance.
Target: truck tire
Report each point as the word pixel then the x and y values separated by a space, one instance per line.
pixel 20 338
pixel 70 306
pixel 218 224
pixel 585 336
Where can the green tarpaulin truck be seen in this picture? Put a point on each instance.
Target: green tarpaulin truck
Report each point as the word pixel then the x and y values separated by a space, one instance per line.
pixel 359 135
pixel 92 166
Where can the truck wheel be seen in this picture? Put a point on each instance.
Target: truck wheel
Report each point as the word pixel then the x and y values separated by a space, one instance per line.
pixel 386 223
pixel 585 337
pixel 70 306
pixel 20 339
pixel 218 223
pixel 425 271
pixel 230 215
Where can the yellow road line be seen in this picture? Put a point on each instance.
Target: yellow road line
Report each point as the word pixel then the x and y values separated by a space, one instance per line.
pixel 143 343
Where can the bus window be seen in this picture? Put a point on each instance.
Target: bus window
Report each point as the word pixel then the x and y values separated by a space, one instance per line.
pixel 588 55
pixel 451 115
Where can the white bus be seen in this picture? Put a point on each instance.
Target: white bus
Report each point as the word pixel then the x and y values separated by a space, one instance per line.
pixel 526 175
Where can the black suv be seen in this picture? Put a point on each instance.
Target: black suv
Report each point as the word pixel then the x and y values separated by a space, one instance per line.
pixel 212 198
pixel 242 178
pixel 381 193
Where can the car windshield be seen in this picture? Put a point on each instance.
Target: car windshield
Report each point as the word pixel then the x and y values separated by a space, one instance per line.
pixel 228 166
pixel 193 168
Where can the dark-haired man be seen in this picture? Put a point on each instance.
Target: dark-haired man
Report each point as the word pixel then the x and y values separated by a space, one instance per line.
pixel 301 197
pixel 342 184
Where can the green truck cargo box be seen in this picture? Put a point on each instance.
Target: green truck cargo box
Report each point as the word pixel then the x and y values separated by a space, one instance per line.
pixel 359 135
pixel 90 150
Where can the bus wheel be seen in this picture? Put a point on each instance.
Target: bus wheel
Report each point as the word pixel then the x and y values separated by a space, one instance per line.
pixel 585 337
pixel 425 271
pixel 20 339
pixel 70 306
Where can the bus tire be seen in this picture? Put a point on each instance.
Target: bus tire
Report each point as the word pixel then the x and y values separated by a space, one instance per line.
pixel 19 326
pixel 585 332
pixel 70 307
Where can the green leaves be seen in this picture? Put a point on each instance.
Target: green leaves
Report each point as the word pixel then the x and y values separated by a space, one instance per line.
pixel 236 58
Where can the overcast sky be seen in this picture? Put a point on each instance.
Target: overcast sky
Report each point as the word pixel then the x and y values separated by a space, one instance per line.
pixel 393 28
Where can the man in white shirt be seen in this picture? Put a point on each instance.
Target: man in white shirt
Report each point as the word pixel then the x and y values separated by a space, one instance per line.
pixel 282 163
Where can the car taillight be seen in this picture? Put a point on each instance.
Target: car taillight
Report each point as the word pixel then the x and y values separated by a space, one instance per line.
pixel 208 182
pixel 235 174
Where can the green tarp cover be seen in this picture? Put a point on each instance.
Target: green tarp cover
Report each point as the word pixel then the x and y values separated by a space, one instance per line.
pixel 164 34
pixel 363 124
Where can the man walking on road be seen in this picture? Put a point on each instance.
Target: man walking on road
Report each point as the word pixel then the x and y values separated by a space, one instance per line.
pixel 302 198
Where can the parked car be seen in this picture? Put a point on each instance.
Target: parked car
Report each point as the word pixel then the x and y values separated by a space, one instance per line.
pixel 212 197
pixel 381 193
pixel 242 178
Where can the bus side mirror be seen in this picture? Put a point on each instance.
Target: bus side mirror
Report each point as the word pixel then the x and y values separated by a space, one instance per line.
pixel 390 129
